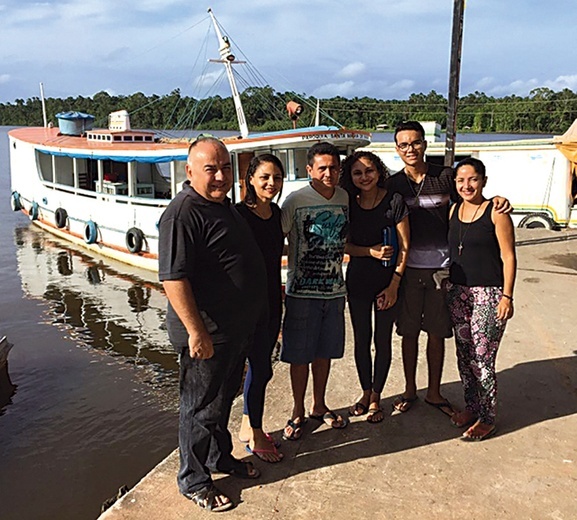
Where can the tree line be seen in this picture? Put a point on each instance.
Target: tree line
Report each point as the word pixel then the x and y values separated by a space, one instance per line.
pixel 542 111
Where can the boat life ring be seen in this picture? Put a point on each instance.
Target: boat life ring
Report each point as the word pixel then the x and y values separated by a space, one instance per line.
pixel 15 201
pixel 33 213
pixel 60 217
pixel 134 240
pixel 90 232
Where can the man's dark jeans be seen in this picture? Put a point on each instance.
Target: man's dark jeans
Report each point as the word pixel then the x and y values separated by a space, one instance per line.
pixel 207 390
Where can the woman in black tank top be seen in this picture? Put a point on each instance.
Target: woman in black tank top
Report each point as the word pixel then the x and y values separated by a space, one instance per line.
pixel 479 295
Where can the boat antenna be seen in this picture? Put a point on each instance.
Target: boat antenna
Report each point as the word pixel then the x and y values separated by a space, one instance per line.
pixel 228 58
pixel 456 44
pixel 43 105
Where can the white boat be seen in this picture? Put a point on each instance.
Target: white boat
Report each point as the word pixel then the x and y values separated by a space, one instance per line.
pixel 538 176
pixel 105 189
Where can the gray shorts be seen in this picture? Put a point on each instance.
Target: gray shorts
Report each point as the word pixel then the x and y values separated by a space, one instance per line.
pixel 312 329
pixel 422 305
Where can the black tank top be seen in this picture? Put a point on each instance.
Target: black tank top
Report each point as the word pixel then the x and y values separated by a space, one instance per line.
pixel 479 262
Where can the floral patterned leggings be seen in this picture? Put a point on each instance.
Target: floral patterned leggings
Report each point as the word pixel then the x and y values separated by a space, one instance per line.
pixel 478 333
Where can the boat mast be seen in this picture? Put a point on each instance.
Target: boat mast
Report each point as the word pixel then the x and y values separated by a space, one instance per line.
pixel 227 57
pixel 456 44
pixel 43 105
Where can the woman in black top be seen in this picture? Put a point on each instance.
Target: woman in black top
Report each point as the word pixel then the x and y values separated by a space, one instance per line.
pixel 480 294
pixel 374 271
pixel 264 180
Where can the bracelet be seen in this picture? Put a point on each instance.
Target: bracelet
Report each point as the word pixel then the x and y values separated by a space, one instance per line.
pixel 398 274
pixel 507 296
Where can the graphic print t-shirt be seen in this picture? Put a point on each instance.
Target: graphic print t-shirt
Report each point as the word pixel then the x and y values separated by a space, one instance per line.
pixel 317 230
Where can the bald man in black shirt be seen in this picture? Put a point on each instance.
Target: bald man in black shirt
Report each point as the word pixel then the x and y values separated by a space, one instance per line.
pixel 212 272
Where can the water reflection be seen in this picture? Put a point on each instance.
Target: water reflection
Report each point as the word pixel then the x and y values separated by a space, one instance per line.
pixel 7 388
pixel 117 312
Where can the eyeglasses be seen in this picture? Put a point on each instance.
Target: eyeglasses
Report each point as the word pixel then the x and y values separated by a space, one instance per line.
pixel 414 145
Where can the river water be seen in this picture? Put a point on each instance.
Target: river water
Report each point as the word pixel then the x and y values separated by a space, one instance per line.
pixel 92 397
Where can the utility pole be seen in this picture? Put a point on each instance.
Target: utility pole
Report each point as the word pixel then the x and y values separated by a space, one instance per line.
pixel 454 75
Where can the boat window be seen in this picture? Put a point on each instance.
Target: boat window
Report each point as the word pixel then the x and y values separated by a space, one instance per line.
pixel 300 166
pixel 45 166
pixel 138 138
pixel 283 157
pixel 179 174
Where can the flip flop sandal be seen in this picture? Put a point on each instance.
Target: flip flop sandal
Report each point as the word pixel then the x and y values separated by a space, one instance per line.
pixel 243 470
pixel 206 499
pixel 358 409
pixel 441 407
pixel 331 419
pixel 296 430
pixel 404 404
pixel 259 453
pixel 467 437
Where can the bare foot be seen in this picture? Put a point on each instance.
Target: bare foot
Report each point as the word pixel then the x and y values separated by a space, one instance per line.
pixel 262 448
pixel 245 432
pixel 463 419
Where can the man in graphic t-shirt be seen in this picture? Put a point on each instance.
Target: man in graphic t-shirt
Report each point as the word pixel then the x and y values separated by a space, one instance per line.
pixel 315 219
pixel 427 190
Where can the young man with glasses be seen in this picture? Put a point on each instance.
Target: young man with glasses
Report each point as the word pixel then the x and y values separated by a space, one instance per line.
pixel 428 190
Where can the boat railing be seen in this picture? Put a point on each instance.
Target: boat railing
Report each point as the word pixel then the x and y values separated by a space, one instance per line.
pixel 122 199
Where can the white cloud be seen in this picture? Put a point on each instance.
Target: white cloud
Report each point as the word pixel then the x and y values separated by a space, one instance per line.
pixel 345 89
pixel 562 82
pixel 4 78
pixel 485 83
pixel 352 69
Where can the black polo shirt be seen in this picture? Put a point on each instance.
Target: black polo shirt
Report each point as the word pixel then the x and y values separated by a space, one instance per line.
pixel 212 246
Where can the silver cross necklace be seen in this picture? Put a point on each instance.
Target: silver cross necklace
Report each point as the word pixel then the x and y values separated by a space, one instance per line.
pixel 461 234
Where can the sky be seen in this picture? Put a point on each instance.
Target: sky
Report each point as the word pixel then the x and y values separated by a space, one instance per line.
pixel 385 49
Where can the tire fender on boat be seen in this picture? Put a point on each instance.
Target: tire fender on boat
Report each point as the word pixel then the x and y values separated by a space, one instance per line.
pixel 134 240
pixel 15 201
pixel 60 217
pixel 90 232
pixel 34 211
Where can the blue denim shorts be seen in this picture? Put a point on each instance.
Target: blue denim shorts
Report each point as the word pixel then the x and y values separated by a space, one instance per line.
pixel 312 329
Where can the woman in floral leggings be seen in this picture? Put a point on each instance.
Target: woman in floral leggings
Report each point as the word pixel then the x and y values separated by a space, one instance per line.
pixel 479 295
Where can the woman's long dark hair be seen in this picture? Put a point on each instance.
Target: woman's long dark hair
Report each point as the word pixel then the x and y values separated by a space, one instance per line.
pixel 346 181
pixel 250 193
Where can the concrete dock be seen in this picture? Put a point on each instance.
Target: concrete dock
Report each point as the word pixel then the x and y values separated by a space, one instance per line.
pixel 413 465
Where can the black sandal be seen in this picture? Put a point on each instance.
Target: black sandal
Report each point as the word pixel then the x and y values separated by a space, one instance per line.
pixel 243 469
pixel 206 498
